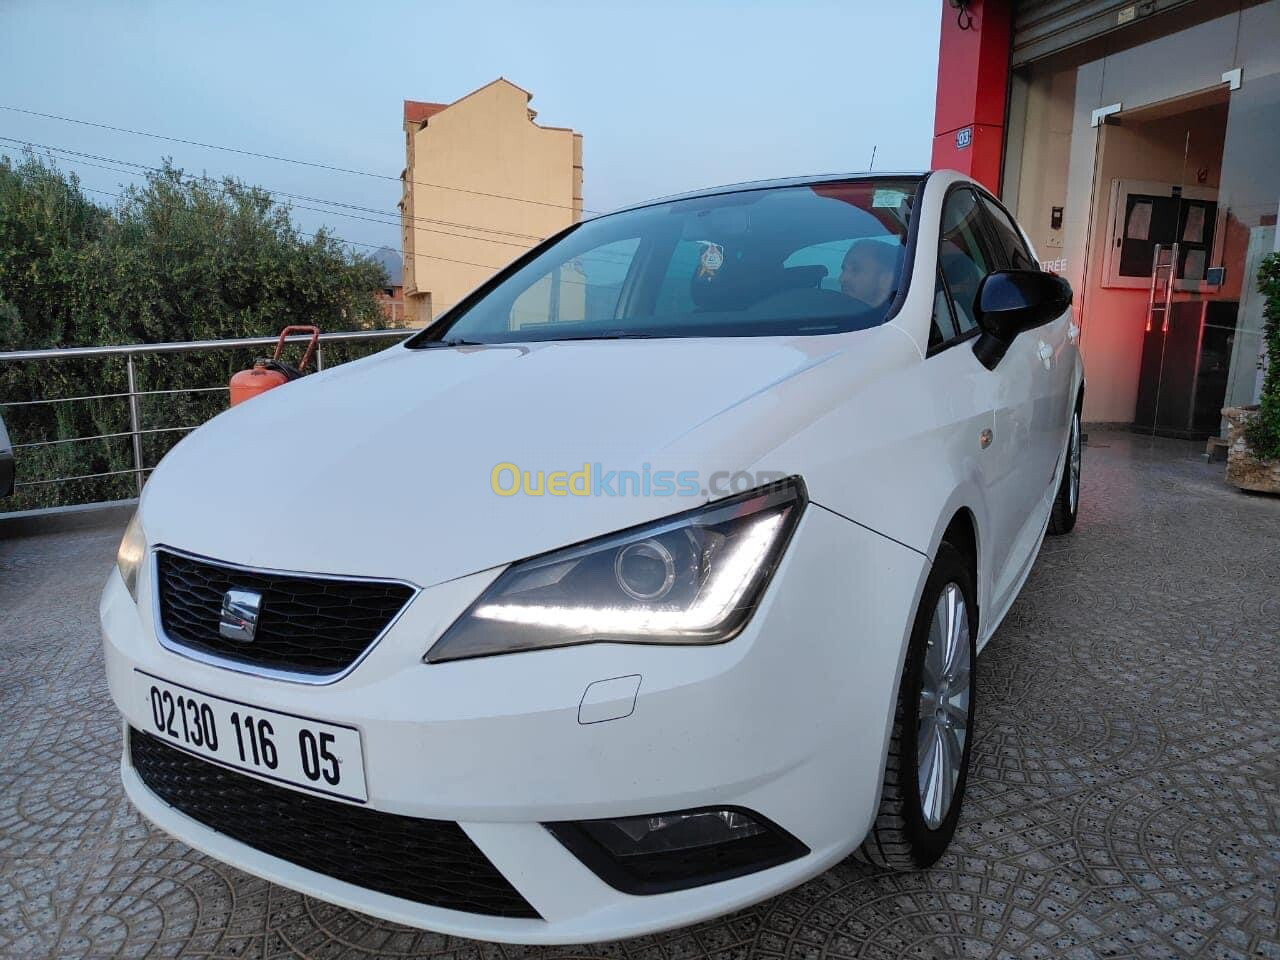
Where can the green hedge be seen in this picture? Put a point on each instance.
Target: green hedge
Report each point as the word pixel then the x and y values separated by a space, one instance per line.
pixel 177 259
pixel 1263 434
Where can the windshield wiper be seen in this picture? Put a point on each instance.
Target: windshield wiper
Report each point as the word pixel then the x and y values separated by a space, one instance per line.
pixel 450 343
pixel 428 344
pixel 611 336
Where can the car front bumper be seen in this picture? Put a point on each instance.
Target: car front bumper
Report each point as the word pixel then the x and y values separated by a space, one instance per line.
pixel 790 720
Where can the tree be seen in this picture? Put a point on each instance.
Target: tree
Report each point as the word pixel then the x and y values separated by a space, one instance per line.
pixel 178 259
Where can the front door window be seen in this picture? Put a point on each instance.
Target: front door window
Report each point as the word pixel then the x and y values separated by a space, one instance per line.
pixel 963 255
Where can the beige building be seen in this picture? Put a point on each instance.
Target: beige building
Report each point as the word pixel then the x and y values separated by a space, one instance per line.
pixel 482 183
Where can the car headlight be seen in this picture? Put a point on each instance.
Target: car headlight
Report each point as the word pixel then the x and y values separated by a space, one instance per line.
pixel 693 578
pixel 133 548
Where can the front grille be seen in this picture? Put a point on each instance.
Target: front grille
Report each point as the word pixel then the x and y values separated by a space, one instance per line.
pixel 428 861
pixel 306 625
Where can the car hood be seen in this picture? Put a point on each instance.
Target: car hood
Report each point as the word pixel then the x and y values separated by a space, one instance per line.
pixel 384 467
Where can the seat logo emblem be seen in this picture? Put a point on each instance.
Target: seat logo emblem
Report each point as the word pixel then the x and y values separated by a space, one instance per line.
pixel 240 610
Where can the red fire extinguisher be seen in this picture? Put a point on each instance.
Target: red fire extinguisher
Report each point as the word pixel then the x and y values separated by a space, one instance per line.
pixel 269 373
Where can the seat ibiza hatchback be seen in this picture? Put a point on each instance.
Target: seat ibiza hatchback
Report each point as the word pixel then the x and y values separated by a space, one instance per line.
pixel 645 583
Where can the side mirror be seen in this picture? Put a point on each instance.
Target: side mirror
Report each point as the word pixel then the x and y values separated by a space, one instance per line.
pixel 1013 301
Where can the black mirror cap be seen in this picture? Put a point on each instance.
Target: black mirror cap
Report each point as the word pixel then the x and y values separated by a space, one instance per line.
pixel 1013 301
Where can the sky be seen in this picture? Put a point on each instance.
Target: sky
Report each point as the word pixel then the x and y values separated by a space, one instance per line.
pixel 668 96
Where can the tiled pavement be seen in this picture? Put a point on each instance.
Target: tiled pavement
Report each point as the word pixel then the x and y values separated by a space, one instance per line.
pixel 1125 801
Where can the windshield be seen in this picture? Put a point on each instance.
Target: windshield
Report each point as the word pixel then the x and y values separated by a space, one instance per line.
pixel 820 258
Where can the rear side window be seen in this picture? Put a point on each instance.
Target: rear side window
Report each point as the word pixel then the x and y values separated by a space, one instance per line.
pixel 830 256
pixel 964 255
pixel 1014 249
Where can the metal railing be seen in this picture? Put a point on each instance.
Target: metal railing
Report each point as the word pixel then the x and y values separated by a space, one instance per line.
pixel 132 395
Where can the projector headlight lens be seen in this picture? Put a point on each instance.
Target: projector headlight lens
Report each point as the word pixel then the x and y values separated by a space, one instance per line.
pixel 645 570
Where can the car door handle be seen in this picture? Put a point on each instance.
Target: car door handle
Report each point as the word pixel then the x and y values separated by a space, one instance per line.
pixel 1046 354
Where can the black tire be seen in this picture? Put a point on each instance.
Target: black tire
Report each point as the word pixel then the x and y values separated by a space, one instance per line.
pixel 901 838
pixel 1066 504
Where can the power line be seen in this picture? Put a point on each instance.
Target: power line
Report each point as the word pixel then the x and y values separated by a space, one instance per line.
pixel 269 156
pixel 361 243
pixel 298 206
pixel 337 203
pixel 295 206
pixel 196 143
pixel 358 243
pixel 75 155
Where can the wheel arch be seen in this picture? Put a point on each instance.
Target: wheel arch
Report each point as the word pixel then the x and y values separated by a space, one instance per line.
pixel 962 522
pixel 962 533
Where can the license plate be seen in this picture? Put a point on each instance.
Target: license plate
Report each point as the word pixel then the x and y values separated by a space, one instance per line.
pixel 312 755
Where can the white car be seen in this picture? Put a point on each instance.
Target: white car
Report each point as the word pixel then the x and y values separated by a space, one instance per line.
pixel 646 583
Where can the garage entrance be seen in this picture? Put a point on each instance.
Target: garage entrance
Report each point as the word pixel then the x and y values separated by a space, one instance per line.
pixel 1166 315
pixel 1148 172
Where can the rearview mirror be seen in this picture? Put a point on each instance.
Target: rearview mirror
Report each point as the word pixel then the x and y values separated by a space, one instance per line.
pixel 1013 301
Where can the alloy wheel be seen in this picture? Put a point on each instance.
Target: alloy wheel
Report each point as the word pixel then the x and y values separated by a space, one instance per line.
pixel 943 721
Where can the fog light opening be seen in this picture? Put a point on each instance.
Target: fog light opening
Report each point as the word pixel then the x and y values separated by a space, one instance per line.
pixel 662 852
pixel 668 833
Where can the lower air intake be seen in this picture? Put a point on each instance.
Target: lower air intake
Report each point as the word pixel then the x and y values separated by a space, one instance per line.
pixel 432 862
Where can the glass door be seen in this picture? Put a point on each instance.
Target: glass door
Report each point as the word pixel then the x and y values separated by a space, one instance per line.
pixel 1251 202
pixel 1208 334
pixel 1183 372
pixel 1150 177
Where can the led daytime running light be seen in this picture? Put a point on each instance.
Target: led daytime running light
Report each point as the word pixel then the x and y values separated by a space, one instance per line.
pixel 720 595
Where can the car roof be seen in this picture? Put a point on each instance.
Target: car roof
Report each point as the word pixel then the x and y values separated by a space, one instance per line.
pixel 778 182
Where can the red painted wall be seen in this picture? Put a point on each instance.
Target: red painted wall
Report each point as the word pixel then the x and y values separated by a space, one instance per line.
pixel 973 84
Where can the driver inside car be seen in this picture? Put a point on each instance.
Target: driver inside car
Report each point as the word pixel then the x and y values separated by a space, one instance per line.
pixel 869 272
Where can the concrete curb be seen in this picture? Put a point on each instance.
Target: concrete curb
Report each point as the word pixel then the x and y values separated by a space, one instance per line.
pixel 33 523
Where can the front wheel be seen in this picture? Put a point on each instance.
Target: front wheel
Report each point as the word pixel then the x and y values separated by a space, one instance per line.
pixel 1066 505
pixel 928 761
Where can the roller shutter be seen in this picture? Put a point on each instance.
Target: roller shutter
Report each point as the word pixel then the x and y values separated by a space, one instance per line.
pixel 1044 27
